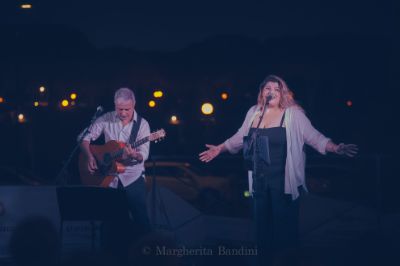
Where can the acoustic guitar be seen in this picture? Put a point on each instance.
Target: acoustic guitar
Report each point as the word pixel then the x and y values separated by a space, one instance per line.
pixel 109 160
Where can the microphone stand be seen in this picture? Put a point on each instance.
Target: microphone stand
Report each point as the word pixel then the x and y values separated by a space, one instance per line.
pixel 255 194
pixel 62 175
pixel 255 149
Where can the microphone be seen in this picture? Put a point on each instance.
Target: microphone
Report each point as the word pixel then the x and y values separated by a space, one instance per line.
pixel 99 111
pixel 269 98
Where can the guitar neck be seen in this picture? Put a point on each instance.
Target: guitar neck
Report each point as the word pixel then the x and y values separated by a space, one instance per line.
pixel 140 142
pixel 134 145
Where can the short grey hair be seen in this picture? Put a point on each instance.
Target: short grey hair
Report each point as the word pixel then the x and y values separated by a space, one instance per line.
pixel 124 94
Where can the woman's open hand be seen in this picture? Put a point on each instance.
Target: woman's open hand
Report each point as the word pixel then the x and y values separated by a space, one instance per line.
pixel 212 152
pixel 349 150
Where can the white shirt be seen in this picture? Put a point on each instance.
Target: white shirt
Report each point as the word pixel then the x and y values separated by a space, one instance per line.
pixel 111 126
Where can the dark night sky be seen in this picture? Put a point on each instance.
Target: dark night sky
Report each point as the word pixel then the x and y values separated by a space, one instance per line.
pixel 172 25
pixel 354 60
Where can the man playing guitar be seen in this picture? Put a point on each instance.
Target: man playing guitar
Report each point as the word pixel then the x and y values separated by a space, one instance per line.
pixel 116 127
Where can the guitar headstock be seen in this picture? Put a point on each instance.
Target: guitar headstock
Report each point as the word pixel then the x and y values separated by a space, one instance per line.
pixel 157 135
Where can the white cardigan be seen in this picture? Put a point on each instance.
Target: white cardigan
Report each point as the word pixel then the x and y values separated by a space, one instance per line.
pixel 299 130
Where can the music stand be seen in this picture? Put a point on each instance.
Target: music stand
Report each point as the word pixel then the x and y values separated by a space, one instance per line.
pixel 89 203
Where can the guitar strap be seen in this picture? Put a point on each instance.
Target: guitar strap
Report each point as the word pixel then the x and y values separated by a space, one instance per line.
pixel 135 129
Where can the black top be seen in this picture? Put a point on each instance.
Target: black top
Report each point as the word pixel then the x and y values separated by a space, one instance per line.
pixel 272 174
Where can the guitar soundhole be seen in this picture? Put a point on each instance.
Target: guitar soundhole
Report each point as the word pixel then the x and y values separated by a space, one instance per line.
pixel 106 164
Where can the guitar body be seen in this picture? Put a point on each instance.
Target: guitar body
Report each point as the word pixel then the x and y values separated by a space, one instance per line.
pixel 107 169
pixel 109 161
